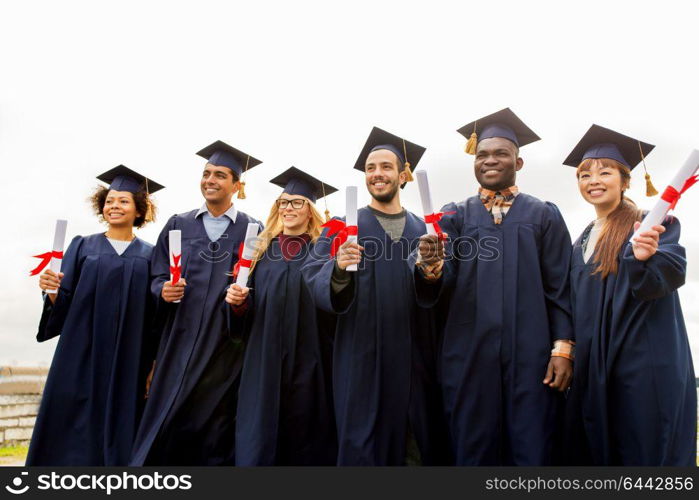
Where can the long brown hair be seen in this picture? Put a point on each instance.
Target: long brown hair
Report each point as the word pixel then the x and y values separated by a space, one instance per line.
pixel 274 226
pixel 615 231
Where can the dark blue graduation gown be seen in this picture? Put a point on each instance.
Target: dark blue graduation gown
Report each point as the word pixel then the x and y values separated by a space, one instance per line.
pixel 633 400
pixel 284 406
pixel 189 418
pixel 384 353
pixel 506 295
pixel 94 391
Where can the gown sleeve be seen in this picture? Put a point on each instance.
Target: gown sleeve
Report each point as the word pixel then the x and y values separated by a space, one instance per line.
pixel 556 252
pixel 54 315
pixel 664 272
pixel 317 272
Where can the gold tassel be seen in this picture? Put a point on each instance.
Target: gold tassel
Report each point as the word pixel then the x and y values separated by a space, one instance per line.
pixel 650 188
pixel 241 191
pixel 471 144
pixel 150 213
pixel 408 174
pixel 325 201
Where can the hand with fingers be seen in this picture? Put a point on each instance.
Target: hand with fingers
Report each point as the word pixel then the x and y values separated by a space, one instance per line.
pixel 431 249
pixel 236 294
pixel 646 243
pixel 173 293
pixel 349 253
pixel 431 256
pixel 50 281
pixel 559 373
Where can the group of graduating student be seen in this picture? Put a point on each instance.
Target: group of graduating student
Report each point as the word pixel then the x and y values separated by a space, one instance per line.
pixel 495 342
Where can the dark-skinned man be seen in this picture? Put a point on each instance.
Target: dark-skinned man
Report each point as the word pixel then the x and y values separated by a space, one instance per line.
pixel 502 280
pixel 189 418
pixel 386 397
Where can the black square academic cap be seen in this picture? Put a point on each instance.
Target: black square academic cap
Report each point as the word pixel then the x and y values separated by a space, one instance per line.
pixel 122 178
pixel 221 154
pixel 600 142
pixel 295 181
pixel 503 124
pixel 408 153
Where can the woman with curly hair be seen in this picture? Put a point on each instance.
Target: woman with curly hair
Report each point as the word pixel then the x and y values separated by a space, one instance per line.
pixel 94 391
pixel 284 414
pixel 633 397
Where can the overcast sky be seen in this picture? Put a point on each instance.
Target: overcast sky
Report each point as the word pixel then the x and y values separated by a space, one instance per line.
pixel 87 85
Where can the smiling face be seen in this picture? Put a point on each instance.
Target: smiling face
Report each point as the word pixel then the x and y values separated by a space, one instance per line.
pixel 496 164
pixel 120 209
pixel 383 175
pixel 218 184
pixel 602 182
pixel 295 220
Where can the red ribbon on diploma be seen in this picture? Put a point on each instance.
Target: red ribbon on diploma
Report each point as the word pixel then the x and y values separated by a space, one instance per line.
pixel 434 220
pixel 176 270
pixel 241 261
pixel 672 196
pixel 336 226
pixel 45 259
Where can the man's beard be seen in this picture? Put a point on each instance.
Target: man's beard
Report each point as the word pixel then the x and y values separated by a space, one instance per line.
pixel 386 197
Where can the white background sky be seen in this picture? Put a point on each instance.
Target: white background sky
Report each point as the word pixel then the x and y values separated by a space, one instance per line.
pixel 87 85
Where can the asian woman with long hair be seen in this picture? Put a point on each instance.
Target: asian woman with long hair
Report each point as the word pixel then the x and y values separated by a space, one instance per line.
pixel 633 397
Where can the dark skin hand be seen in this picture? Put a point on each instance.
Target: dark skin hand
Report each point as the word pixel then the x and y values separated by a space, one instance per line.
pixel 496 164
pixel 559 373
pixel 431 249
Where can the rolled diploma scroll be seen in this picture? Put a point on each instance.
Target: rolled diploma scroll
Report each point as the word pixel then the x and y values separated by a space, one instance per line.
pixel 659 211
pixel 59 240
pixel 351 216
pixel 426 199
pixel 175 241
pixel 248 253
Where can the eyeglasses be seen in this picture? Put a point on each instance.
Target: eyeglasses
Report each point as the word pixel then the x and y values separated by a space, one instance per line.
pixel 296 203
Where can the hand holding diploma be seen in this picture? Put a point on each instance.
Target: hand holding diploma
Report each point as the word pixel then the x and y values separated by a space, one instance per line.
pixel 685 178
pixel 245 255
pixel 431 247
pixel 50 282
pixel 645 243
pixel 345 249
pixel 349 255
pixel 236 294
pixel 351 247
pixel 431 257
pixel 173 293
pixel 426 199
pixel 173 290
